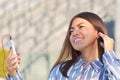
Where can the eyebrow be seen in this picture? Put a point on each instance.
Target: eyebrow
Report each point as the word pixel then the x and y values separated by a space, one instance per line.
pixel 77 25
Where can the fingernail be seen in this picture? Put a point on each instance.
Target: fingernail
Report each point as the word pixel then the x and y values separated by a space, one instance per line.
pixel 18 54
pixel 18 58
pixel 99 33
pixel 10 48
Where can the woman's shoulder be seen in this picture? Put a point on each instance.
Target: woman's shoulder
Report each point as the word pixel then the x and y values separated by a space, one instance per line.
pixel 56 67
pixel 55 70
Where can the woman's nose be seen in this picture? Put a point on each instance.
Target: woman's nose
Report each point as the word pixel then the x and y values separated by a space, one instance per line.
pixel 76 32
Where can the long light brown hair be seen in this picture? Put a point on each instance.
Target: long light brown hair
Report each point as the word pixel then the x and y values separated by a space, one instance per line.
pixel 68 55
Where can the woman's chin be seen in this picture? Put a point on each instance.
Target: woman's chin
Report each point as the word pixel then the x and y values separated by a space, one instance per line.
pixel 78 48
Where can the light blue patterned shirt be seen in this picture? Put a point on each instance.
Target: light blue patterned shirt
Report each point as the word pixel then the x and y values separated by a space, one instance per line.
pixel 81 70
pixel 96 70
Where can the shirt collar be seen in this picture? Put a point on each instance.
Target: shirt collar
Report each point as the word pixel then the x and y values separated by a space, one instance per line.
pixel 79 63
pixel 96 64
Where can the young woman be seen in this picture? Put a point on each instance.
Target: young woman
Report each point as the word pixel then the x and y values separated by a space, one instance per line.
pixel 87 52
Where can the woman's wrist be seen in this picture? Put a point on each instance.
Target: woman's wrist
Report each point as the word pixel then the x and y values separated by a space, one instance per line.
pixel 12 74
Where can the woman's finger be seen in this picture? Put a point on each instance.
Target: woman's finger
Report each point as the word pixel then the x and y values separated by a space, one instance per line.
pixel 11 59
pixel 102 44
pixel 102 35
pixel 108 43
pixel 13 68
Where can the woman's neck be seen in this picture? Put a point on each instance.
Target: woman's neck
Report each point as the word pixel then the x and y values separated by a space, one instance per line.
pixel 90 53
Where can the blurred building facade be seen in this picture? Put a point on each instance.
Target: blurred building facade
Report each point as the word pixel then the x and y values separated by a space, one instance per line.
pixel 38 28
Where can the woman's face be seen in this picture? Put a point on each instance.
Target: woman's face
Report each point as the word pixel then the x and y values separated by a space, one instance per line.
pixel 83 34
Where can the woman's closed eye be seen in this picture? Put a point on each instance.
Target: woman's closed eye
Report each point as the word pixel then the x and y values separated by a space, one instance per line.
pixel 72 29
pixel 81 26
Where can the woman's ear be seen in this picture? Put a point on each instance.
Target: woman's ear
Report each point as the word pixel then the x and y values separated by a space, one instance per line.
pixel 97 36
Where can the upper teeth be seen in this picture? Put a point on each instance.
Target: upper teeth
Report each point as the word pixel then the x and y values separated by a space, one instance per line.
pixel 78 39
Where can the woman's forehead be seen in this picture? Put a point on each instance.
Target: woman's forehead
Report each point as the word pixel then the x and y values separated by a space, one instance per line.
pixel 79 21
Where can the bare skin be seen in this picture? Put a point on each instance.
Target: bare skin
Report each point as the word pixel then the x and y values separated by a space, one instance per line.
pixel 13 61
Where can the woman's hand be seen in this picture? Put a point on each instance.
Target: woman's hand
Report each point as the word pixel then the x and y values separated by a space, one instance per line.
pixel 13 62
pixel 108 43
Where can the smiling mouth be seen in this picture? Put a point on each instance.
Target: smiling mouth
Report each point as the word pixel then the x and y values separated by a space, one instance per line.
pixel 78 40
